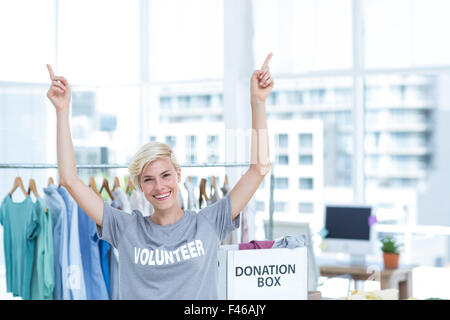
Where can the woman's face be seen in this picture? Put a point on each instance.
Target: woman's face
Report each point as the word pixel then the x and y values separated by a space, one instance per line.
pixel 159 182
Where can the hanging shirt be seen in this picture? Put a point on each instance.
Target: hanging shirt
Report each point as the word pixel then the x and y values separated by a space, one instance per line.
pixel 90 255
pixel 114 263
pixel 191 201
pixel 177 261
pixel 43 275
pixel 139 202
pixel 20 228
pixel 214 197
pixel 180 199
pixel 57 209
pixel 122 199
pixel 248 219
pixel 106 256
pixel 74 276
pixel 232 238
pixel 225 189
pixel 105 249
pixel 244 227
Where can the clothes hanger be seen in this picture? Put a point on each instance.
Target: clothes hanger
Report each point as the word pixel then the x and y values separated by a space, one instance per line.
pixel 32 187
pixel 213 184
pixel 116 183
pixel 105 185
pixel 94 186
pixel 50 181
pixel 18 183
pixel 202 192
pixel 203 188
pixel 187 183
pixel 130 186
pixel 225 186
pixel 213 187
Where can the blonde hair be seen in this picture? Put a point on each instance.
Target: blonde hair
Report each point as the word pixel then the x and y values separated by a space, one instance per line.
pixel 145 155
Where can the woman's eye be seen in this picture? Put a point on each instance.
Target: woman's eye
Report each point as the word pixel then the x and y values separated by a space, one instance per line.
pixel 164 176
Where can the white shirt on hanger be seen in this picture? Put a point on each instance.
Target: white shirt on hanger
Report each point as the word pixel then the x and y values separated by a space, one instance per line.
pixel 138 201
pixel 192 203
pixel 214 197
pixel 120 196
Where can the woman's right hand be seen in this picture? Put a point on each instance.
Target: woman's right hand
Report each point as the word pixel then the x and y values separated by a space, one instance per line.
pixel 59 91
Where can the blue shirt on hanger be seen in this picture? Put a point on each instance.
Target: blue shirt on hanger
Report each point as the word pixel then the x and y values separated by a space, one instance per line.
pixel 75 275
pixel 57 208
pixel 105 249
pixel 90 254
pixel 114 263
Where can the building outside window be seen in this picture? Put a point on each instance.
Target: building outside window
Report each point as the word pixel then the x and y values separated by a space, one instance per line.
pixel 305 207
pixel 166 103
pixel 282 159
pixel 305 141
pixel 305 160
pixel 171 141
pixel 306 183
pixel 281 183
pixel 280 206
pixel 282 141
pixel 260 206
pixel 191 149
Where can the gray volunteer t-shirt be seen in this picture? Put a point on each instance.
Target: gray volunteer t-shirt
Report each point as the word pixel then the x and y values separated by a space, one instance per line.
pixel 178 261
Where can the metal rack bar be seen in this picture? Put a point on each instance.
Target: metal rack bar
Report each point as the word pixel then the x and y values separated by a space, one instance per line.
pixel 110 166
pixel 124 166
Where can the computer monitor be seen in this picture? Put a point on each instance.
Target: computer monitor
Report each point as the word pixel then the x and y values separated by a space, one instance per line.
pixel 348 230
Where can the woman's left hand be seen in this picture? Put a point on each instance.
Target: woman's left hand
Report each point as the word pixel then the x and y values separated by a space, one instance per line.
pixel 261 82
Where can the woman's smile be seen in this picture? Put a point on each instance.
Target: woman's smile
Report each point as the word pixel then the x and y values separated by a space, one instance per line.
pixel 162 196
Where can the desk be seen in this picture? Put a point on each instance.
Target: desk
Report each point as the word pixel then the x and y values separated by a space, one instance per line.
pixel 400 279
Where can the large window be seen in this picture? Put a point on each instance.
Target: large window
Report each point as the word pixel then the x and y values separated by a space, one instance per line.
pixel 406 107
pixel 305 35
pixel 27 40
pixel 186 40
pixel 359 112
pixel 376 75
pixel 406 33
pixel 104 48
pixel 312 99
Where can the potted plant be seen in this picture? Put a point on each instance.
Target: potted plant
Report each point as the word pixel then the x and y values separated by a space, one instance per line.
pixel 391 253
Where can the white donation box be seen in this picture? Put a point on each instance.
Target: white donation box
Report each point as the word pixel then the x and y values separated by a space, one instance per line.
pixel 263 274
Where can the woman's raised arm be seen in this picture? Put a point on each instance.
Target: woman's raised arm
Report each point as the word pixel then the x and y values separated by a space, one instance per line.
pixel 261 84
pixel 59 94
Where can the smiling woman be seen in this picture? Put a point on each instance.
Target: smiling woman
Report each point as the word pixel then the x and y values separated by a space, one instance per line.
pixel 156 172
pixel 147 154
pixel 172 254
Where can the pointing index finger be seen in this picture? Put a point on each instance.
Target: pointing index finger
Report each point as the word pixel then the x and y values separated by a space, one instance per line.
pixel 50 70
pixel 266 62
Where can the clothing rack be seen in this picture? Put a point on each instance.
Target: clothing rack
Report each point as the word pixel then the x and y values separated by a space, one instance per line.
pixel 111 166
pixel 124 166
